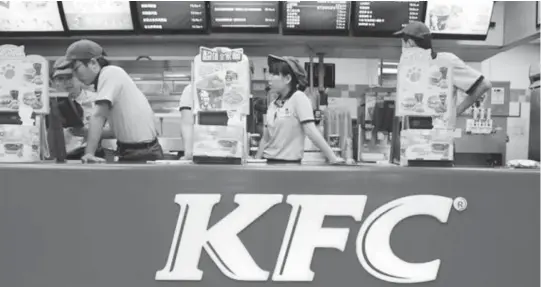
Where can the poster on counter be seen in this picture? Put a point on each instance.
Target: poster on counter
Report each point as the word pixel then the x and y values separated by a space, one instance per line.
pixel 459 17
pixel 222 80
pixel 424 85
pixel 30 16
pixel 218 141
pixel 19 143
pixel 431 145
pixel 24 80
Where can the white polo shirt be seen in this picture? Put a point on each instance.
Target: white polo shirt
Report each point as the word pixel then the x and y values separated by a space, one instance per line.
pixel 285 127
pixel 186 99
pixel 464 77
pixel 131 117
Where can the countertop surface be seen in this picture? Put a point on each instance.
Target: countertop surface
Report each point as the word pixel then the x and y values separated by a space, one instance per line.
pixel 76 165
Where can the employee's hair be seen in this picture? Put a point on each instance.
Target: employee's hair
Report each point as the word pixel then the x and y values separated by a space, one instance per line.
pixel 101 61
pixel 283 69
pixel 423 43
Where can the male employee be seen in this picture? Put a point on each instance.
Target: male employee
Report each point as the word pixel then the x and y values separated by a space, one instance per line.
pixel 474 84
pixel 119 102
pixel 80 102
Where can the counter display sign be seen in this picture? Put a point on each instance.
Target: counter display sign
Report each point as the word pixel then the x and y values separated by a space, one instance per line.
pixel 172 16
pixel 459 19
pixel 382 18
pixel 316 17
pixel 30 16
pixel 98 15
pixel 244 15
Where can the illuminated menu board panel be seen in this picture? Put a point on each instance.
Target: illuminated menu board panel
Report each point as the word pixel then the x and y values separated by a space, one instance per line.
pixel 458 18
pixel 329 17
pixel 30 16
pixel 233 15
pixel 172 16
pixel 98 15
pixel 382 18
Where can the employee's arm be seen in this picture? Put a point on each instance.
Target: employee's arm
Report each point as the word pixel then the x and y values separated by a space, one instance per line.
pixel 317 138
pixel 186 129
pixel 469 80
pixel 262 143
pixel 474 93
pixel 95 126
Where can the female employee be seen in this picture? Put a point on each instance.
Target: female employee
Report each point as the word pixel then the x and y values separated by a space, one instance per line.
pixel 290 117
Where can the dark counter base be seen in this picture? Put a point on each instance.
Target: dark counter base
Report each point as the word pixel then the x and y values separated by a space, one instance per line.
pixel 112 225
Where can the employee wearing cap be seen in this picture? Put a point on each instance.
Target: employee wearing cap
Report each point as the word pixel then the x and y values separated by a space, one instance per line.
pixel 416 35
pixel 80 101
pixel 290 118
pixel 119 102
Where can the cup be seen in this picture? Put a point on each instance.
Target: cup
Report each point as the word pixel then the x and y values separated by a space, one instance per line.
pixel 38 93
pixel 443 98
pixel 419 97
pixel 443 71
pixel 37 67
pixel 14 94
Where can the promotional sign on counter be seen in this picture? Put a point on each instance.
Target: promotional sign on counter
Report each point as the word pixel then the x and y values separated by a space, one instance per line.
pixel 218 141
pixel 19 143
pixel 424 86
pixel 431 145
pixel 222 80
pixel 24 80
pixel 425 90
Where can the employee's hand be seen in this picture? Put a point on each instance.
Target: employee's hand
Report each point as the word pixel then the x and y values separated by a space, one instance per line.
pixel 90 158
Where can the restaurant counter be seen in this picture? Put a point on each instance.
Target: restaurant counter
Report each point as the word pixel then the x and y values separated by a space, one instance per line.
pixel 113 225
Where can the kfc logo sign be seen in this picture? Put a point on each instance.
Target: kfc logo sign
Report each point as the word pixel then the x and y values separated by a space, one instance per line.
pixel 304 233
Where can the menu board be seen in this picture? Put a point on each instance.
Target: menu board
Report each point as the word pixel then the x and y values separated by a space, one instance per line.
pixel 30 16
pixel 386 16
pixel 459 18
pixel 244 14
pixel 98 15
pixel 330 16
pixel 174 15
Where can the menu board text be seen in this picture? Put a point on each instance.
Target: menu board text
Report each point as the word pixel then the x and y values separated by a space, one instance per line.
pixel 387 16
pixel 174 15
pixel 317 15
pixel 244 14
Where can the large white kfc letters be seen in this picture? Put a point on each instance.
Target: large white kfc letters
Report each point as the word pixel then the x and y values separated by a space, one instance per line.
pixel 304 233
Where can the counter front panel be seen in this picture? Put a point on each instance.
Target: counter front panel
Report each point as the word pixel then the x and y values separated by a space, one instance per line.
pixel 114 225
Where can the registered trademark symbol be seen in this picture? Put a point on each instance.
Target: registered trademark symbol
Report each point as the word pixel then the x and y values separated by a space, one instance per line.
pixel 460 204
